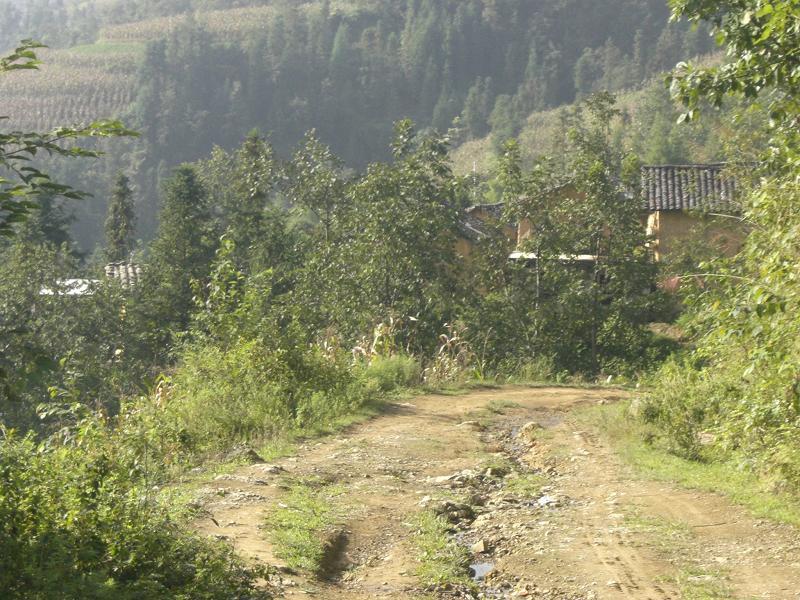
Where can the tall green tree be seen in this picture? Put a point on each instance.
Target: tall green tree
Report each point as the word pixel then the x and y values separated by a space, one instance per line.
pixel 478 107
pixel 590 273
pixel 400 253
pixel 49 223
pixel 318 185
pixel 503 120
pixel 120 222
pixel 587 72
pixel 180 255
pixel 242 187
pixel 762 41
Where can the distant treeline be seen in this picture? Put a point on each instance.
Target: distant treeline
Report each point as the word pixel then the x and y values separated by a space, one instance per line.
pixel 349 69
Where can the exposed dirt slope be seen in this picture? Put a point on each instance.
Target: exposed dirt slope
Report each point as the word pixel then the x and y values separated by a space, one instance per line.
pixel 584 527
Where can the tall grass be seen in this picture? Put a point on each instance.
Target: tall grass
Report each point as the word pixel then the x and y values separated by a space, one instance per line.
pixel 252 392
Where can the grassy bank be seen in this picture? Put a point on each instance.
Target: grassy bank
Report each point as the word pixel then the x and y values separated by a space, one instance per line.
pixel 633 441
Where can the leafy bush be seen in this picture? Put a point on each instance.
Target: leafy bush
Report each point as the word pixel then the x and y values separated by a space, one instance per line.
pixel 251 391
pixel 389 373
pixel 628 350
pixel 536 369
pixel 75 523
pixel 681 402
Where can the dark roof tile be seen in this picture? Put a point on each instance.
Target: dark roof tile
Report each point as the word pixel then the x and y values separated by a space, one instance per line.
pixel 128 274
pixel 689 187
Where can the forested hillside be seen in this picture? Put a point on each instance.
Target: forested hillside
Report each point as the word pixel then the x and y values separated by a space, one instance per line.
pixel 190 75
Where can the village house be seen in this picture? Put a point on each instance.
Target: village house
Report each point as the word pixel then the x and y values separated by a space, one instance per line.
pixel 126 274
pixel 682 201
pixel 679 202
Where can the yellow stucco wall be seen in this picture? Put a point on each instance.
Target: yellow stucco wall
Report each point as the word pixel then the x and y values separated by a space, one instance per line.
pixel 465 247
pixel 672 229
pixel 523 231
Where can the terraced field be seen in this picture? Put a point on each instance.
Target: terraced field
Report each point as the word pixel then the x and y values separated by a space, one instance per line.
pixel 228 24
pixel 73 86
pixel 98 80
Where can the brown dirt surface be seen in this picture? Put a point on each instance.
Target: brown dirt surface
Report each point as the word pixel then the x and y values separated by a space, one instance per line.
pixel 589 529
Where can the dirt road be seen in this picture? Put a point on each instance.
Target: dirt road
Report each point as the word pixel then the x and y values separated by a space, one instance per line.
pixel 544 506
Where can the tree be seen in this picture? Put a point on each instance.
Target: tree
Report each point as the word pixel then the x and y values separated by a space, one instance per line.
pixel 120 221
pixel 588 313
pixel 241 187
pixel 503 120
pixel 400 253
pixel 587 71
pixel 530 93
pixel 180 255
pixel 317 184
pixel 48 223
pixel 21 183
pixel 478 106
pixel 762 41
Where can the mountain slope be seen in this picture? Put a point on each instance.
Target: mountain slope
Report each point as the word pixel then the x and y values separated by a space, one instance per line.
pixel 190 75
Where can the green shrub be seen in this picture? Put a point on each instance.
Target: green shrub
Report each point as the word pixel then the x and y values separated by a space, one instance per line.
pixel 251 391
pixel 389 373
pixel 680 403
pixel 737 393
pixel 75 524
pixel 537 369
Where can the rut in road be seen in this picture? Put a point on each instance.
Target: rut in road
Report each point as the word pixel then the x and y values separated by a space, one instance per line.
pixel 590 530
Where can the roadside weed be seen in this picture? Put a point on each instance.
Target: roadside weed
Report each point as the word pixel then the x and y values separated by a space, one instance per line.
pixel 442 560
pixel 528 485
pixel 302 526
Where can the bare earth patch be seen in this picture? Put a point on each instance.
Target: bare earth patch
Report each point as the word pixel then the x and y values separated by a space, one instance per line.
pixel 545 508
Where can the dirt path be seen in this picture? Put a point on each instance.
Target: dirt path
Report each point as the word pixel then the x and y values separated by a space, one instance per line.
pixel 557 515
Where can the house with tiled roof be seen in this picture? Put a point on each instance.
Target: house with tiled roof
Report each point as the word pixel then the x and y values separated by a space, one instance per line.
pixel 128 275
pixel 678 202
pixel 476 223
pixel 682 201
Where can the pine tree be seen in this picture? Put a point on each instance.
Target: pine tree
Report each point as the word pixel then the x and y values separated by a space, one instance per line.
pixel 614 67
pixel 530 94
pixel 478 106
pixel 180 255
pixel 120 221
pixel 503 120
pixel 343 56
pixel 639 59
pixel 587 72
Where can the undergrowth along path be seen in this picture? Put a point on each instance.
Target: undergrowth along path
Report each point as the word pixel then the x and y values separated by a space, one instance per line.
pixel 496 494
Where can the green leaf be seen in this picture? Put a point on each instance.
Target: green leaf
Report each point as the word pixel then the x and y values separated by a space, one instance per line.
pixel 765 10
